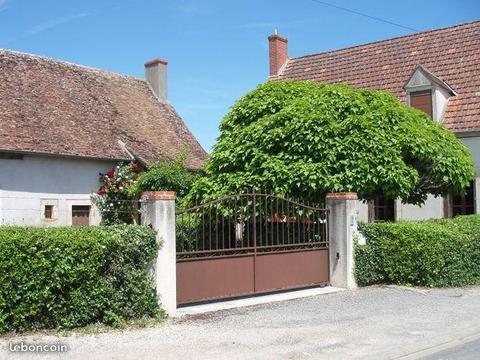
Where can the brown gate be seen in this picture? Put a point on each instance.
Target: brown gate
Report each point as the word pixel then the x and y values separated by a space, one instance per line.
pixel 249 243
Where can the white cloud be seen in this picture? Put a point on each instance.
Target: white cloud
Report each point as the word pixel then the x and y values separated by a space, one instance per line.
pixel 3 5
pixel 188 9
pixel 257 25
pixel 195 9
pixel 53 23
pixel 43 26
pixel 270 24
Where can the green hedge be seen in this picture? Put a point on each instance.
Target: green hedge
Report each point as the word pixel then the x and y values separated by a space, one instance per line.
pixel 61 277
pixel 420 253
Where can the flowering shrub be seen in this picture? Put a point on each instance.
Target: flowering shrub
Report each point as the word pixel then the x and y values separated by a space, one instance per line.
pixel 113 200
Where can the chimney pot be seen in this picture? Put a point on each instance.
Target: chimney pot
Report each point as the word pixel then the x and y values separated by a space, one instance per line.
pixel 156 77
pixel 278 53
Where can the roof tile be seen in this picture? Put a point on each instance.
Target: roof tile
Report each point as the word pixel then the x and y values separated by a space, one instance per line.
pixel 49 106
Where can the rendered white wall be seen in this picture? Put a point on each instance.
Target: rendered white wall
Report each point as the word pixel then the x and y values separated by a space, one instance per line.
pixel 29 184
pixel 473 143
pixel 433 208
pixel 441 101
pixel 477 195
pixel 362 211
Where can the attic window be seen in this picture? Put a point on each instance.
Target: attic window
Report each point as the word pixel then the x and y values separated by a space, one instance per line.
pixel 422 100
pixel 428 93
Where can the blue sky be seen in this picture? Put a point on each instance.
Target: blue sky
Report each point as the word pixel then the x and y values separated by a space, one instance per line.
pixel 217 50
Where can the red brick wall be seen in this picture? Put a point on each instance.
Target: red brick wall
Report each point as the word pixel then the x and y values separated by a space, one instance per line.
pixel 278 47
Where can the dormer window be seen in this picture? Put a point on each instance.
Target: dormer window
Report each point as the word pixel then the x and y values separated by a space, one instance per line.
pixel 428 93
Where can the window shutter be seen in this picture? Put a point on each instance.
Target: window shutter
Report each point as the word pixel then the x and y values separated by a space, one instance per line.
pixel 422 100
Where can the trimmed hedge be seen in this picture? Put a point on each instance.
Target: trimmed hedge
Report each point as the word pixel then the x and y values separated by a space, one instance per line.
pixel 63 277
pixel 420 253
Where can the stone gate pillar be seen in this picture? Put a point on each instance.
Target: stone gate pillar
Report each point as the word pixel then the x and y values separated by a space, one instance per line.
pixel 342 224
pixel 158 210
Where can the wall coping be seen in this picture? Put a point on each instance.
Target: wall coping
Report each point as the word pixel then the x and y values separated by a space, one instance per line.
pixel 342 196
pixel 158 195
pixel 155 62
pixel 277 37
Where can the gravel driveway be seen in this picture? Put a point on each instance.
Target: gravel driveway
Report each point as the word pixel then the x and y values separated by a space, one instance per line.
pixel 373 323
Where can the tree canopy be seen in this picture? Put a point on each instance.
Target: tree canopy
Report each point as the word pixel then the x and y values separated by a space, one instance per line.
pixel 304 139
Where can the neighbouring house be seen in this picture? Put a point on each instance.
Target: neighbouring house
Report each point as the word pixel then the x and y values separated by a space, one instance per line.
pixel 62 124
pixel 435 71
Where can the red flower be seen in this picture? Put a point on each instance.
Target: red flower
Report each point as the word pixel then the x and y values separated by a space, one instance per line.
pixel 101 191
pixel 111 173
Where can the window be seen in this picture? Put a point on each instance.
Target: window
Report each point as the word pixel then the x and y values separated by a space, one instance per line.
pixel 48 212
pixel 80 215
pixel 463 205
pixel 422 100
pixel 381 209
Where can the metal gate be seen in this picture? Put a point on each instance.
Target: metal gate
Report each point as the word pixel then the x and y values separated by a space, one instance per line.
pixel 249 243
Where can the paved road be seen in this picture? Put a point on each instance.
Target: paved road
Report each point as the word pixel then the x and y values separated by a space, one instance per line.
pixel 370 323
pixel 467 351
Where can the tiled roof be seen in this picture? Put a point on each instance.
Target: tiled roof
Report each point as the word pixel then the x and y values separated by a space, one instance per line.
pixel 49 106
pixel 451 54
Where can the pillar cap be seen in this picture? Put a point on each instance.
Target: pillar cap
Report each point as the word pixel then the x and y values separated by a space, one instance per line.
pixel 158 195
pixel 156 62
pixel 277 37
pixel 342 196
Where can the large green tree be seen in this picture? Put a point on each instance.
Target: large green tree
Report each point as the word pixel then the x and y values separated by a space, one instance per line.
pixel 304 139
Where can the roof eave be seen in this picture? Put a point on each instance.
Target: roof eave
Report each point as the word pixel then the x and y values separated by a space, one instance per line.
pixel 467 133
pixel 52 154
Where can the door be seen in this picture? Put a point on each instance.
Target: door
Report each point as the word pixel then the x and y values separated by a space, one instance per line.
pixel 80 215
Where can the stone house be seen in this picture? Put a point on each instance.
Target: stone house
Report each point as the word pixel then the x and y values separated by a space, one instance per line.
pixel 62 124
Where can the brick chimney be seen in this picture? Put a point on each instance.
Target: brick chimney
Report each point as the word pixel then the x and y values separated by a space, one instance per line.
pixel 156 77
pixel 278 48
